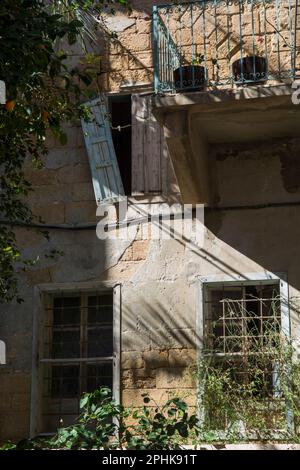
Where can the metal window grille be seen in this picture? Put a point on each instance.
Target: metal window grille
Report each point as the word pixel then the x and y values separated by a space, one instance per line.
pixel 242 330
pixel 242 320
pixel 77 353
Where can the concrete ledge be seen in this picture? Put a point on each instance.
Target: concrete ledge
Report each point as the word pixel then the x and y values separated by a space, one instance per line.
pixel 223 95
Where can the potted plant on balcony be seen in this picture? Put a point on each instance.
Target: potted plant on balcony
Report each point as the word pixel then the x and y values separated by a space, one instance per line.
pixel 190 77
pixel 252 68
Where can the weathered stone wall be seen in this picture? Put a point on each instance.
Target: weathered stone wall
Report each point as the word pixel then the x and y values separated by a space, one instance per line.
pixel 159 292
pixel 230 30
pixel 269 173
pixel 159 278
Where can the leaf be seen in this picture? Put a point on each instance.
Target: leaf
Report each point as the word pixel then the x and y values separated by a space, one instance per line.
pixel 84 401
pixel 182 429
pixel 182 405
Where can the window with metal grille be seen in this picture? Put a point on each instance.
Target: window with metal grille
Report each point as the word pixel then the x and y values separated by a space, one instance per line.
pixel 241 319
pixel 77 353
pixel 242 330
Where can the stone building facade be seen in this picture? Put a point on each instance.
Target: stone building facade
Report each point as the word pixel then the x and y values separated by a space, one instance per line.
pixel 138 304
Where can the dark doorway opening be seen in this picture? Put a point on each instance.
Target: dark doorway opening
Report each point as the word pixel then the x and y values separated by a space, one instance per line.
pixel 120 110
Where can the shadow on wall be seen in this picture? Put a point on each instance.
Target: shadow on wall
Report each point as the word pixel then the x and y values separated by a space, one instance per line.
pixel 127 58
pixel 238 241
pixel 158 344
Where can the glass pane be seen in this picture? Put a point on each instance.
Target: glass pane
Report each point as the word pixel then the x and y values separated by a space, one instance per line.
pixel 233 293
pixel 65 381
pixel 66 311
pixel 99 376
pixel 66 344
pixel 100 342
pixel 100 309
pixel 271 302
pixel 216 311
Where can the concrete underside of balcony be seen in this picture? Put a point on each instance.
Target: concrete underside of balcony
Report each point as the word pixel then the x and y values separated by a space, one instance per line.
pixel 196 122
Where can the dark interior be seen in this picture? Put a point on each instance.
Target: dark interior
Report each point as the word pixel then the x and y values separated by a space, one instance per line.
pixel 120 109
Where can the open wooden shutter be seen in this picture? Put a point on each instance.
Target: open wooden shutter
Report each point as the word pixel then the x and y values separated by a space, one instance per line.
pixel 106 176
pixel 146 147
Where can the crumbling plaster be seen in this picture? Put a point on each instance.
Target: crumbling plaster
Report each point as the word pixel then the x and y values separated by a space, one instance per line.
pixel 195 123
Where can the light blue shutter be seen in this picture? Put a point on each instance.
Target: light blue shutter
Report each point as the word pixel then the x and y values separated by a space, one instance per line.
pixel 106 176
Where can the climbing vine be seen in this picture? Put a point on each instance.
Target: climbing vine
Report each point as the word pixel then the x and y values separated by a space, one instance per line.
pixel 42 93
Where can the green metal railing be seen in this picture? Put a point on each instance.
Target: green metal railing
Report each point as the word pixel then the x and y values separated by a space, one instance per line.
pixel 212 43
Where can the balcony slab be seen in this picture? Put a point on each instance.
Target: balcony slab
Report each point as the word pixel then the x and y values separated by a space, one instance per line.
pixel 194 122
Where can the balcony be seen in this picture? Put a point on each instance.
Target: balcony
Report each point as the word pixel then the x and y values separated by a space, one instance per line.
pixel 224 43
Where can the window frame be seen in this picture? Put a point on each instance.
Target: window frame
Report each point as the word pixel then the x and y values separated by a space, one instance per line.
pixel 168 188
pixel 42 301
pixel 215 280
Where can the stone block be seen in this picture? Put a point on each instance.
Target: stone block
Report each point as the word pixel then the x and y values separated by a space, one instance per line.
pixel 138 379
pixel 81 212
pixel 135 42
pixel 82 192
pixel 80 173
pixel 14 426
pixel 74 136
pixel 115 47
pixel 129 77
pixel 247 24
pixel 132 360
pixel 39 276
pixel 41 177
pixel 144 25
pixel 59 157
pixel 159 396
pixel 15 383
pixel 155 359
pixel 137 251
pixel 173 378
pixel 182 357
pixel 53 213
pixel 142 60
pixel 20 402
pixel 27 238
pixel 133 340
pixel 175 338
pixel 49 194
pixel 116 62
pixel 119 23
pixel 5 402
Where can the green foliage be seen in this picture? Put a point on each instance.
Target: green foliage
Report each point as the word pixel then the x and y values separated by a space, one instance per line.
pixel 8 446
pixel 97 424
pixel 42 94
pixel 245 399
pixel 104 424
pixel 161 427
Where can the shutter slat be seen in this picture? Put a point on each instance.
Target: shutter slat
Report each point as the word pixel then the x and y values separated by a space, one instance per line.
pixel 146 147
pixel 153 155
pixel 138 124
pixel 105 172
